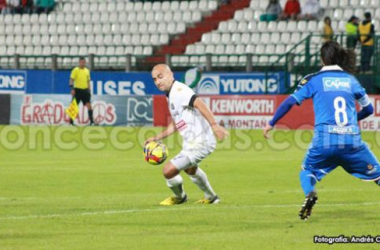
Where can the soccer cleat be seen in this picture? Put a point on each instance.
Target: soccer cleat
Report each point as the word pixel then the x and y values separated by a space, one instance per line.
pixel 308 205
pixel 173 201
pixel 214 200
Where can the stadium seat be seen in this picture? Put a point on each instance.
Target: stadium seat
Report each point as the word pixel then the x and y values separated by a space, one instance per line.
pixel 312 26
pixel 223 26
pixel 375 3
pixel 302 25
pixel 359 13
pixel 138 6
pixel 250 48
pixel 255 38
pixel 239 16
pixel 265 38
pixel 232 26
pixel 199 49
pixel 252 26
pixel 148 50
pixel 193 6
pixel 248 14
pixel 225 38
pixel 190 49
pixel 236 38
pixel 365 3
pixel 275 38
pixel 262 27
pixel 174 6
pixel 196 17
pixel 45 40
pixel 25 19
pixel 334 3
pixel 272 26
pixel 291 26
pixel 245 38
pixel 212 5
pixel 164 39
pixel 184 6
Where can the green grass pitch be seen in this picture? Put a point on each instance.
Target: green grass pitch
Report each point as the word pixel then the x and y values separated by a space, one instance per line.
pixel 98 193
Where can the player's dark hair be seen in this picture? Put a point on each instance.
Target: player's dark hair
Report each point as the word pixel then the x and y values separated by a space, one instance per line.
pixel 82 58
pixel 333 54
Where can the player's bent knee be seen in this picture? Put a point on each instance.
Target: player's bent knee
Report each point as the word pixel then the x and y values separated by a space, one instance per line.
pixel 170 170
pixel 192 170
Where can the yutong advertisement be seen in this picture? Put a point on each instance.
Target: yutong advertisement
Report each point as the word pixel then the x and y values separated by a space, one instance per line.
pixel 13 81
pixel 242 84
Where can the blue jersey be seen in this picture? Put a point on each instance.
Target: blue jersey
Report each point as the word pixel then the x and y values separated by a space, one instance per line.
pixel 334 93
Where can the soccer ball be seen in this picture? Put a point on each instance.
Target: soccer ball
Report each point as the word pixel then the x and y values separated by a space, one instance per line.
pixel 155 152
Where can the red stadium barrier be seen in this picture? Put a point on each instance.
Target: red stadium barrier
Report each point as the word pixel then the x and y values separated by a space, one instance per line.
pixel 246 112
pixel 254 111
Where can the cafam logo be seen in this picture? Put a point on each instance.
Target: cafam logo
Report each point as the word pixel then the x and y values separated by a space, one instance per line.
pixel 209 85
pixel 336 83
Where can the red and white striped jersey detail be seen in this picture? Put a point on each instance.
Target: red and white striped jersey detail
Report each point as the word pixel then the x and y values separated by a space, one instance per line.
pixel 181 125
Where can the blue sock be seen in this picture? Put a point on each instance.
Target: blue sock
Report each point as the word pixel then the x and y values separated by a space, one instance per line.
pixel 308 181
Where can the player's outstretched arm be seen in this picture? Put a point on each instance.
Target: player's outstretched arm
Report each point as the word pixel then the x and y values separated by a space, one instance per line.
pixel 170 129
pixel 220 132
pixel 282 110
pixel 365 112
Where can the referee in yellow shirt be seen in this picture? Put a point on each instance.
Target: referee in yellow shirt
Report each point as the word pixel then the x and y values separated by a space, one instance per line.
pixel 81 88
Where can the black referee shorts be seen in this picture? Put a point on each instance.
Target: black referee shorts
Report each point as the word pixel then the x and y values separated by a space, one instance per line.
pixel 82 95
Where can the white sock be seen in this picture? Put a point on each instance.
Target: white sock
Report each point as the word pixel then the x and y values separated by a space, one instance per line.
pixel 175 184
pixel 200 179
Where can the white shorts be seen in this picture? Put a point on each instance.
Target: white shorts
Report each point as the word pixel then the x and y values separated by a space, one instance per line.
pixel 190 157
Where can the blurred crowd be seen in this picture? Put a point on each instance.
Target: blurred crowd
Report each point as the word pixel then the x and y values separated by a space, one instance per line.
pixel 292 10
pixel 26 6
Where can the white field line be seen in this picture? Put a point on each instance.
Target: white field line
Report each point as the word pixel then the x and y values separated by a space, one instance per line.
pixel 177 208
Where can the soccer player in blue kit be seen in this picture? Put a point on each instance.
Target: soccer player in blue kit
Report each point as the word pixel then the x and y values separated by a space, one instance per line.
pixel 337 140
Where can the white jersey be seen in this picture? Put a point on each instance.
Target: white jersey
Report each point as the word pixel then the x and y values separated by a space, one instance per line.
pixel 190 123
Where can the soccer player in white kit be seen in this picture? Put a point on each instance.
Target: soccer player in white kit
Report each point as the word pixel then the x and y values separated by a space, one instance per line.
pixel 196 124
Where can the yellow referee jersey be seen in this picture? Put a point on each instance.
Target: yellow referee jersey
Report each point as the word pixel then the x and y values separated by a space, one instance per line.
pixel 81 77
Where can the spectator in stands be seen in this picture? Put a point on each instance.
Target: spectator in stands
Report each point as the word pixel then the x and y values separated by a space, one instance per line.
pixel 12 7
pixel 366 32
pixel 3 4
pixel 27 6
pixel 291 10
pixel 44 6
pixel 352 32
pixel 272 12
pixel 327 32
pixel 310 11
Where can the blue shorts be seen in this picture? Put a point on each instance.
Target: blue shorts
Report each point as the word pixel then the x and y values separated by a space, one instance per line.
pixel 356 160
